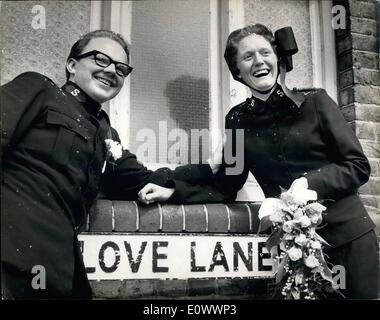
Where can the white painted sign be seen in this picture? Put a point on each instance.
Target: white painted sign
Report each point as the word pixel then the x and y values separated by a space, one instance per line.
pixel 175 256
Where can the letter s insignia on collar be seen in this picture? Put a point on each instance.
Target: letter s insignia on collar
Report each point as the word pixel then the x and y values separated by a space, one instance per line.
pixel 75 92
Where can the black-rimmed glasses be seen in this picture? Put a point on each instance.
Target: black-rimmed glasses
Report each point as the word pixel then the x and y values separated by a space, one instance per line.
pixel 102 60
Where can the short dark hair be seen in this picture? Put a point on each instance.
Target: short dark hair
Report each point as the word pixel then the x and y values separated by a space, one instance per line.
pixel 233 43
pixel 78 46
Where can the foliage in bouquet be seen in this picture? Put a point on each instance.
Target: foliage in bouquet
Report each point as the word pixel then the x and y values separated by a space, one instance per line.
pixel 302 269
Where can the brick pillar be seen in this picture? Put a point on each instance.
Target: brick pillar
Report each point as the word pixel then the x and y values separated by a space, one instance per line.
pixel 359 87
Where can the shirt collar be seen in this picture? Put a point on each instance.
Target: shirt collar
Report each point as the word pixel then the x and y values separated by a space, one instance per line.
pixel 78 94
pixel 278 100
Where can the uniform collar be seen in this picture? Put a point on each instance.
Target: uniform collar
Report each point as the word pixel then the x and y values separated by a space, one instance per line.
pixel 278 101
pixel 78 94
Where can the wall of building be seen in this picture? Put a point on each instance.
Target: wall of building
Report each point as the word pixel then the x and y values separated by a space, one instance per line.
pixel 24 47
pixel 129 218
pixel 359 87
pixel 224 220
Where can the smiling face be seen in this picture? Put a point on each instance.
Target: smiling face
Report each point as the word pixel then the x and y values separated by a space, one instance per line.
pixel 257 63
pixel 101 84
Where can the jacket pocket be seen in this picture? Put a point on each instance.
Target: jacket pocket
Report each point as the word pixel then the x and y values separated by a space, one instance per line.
pixel 67 130
pixel 63 120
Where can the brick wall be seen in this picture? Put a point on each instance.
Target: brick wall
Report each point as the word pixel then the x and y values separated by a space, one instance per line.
pixel 109 217
pixel 132 216
pixel 359 87
pixel 112 217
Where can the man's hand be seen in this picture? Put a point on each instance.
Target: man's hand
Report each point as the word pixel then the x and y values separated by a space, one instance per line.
pixel 153 192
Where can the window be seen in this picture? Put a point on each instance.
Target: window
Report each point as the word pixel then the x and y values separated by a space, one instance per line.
pixel 181 84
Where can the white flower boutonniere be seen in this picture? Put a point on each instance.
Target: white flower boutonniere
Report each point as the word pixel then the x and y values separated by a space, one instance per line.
pixel 114 152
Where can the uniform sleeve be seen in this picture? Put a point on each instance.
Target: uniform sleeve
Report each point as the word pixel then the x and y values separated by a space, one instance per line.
pixel 217 189
pixel 349 168
pixel 193 183
pixel 21 101
pixel 129 176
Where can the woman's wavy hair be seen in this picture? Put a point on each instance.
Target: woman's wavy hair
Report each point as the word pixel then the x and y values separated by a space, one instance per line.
pixel 233 43
pixel 78 46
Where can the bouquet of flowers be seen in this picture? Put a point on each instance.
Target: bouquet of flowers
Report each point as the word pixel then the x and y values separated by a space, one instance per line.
pixel 302 269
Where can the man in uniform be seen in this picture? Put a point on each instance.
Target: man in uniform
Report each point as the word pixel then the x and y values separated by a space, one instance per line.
pixel 54 160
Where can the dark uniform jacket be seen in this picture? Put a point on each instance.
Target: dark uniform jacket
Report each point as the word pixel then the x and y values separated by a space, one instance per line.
pixel 53 153
pixel 282 143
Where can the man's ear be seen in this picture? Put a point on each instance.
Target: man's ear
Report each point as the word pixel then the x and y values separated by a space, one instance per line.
pixel 71 66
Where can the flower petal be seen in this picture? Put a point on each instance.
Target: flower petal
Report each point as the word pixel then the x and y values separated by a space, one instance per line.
pixel 294 253
pixel 306 195
pixel 298 185
pixel 299 190
pixel 269 206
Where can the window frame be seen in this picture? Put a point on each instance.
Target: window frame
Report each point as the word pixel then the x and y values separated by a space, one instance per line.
pixel 225 16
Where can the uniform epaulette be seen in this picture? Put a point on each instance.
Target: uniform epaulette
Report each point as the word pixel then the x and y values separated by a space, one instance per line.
pixel 235 108
pixel 306 91
pixel 36 77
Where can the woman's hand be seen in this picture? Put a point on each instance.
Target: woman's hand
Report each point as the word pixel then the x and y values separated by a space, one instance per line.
pixel 153 192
